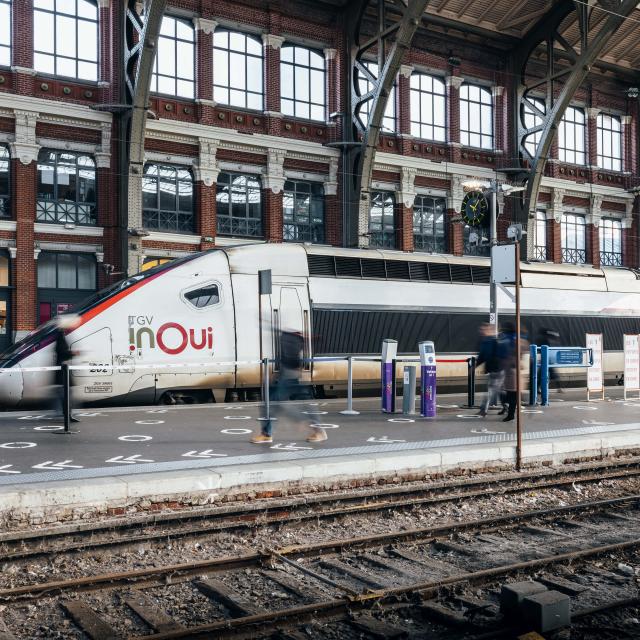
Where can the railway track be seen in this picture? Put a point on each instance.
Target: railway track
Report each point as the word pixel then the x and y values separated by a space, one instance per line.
pixel 427 571
pixel 236 517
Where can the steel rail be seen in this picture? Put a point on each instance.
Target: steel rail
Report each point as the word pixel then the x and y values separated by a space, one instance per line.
pixel 180 572
pixel 250 516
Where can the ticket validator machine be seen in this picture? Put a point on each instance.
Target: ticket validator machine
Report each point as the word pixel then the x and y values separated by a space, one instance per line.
pixel 389 352
pixel 427 379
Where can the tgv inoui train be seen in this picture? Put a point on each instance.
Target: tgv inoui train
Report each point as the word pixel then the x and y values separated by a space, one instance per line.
pixel 205 309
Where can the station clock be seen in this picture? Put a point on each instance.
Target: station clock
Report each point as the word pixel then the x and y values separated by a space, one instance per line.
pixel 474 208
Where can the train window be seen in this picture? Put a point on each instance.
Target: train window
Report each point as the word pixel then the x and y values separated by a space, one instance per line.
pixel 202 297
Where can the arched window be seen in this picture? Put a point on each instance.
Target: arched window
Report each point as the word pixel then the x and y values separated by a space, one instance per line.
pixel 428 107
pixel 65 37
pixel 174 66
pixel 573 239
pixel 239 205
pixel 476 116
pixel 5 33
pixel 610 242
pixel 237 70
pixel 571 136
pixel 4 183
pixel 66 188
pixel 429 224
pixel 609 142
pixel 302 82
pixel 167 199
pixel 303 209
pixel 365 84
pixel 534 111
pixel 540 240
pixel 382 230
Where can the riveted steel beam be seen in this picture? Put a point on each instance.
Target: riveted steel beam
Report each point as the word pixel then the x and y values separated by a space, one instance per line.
pixel 142 21
pixel 566 68
pixel 382 39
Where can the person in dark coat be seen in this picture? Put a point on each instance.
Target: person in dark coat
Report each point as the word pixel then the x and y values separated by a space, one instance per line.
pixel 549 338
pixel 63 354
pixel 510 367
pixel 491 355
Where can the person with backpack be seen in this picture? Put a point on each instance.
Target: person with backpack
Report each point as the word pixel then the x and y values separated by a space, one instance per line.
pixel 491 354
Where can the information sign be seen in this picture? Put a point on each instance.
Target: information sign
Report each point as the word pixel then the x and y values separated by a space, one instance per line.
pixel 595 381
pixel 566 356
pixel 631 364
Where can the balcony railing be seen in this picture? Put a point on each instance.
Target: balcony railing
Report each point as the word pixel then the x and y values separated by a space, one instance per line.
pixel 610 259
pixel 483 250
pixel 382 239
pixel 303 233
pixel 574 256
pixel 539 253
pixel 429 244
pixel 249 227
pixel 65 212
pixel 170 221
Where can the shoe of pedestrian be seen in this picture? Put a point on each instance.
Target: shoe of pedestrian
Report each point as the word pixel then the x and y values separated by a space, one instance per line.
pixel 482 413
pixel 502 411
pixel 508 419
pixel 261 439
pixel 319 435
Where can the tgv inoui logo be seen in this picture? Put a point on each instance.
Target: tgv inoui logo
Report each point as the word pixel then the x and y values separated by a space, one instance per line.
pixel 171 337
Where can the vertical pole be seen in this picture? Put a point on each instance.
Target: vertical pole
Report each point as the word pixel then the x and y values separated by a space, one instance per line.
pixel 471 382
pixel 66 397
pixel 533 375
pixel 544 375
pixel 518 403
pixel 493 241
pixel 349 410
pixel 265 388
pixel 394 383
pixel 409 390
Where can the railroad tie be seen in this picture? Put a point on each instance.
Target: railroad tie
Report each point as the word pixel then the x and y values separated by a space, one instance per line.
pixel 563 585
pixel 5 634
pixel 237 604
pixel 345 569
pixel 431 564
pixel 377 629
pixel 389 565
pixel 158 620
pixel 447 545
pixel 84 616
pixel 441 613
pixel 304 591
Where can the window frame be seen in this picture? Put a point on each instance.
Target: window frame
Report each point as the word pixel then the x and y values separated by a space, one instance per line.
pixel 532 119
pixel 573 255
pixel 565 152
pixel 416 122
pixel 228 88
pixel 390 115
pixel 7 47
pixel 64 213
pixel 310 228
pixel 258 221
pixel 175 39
pixel 203 285
pixel 487 140
pixel 610 258
pixel 4 255
pixel 436 240
pixel 615 161
pixel 158 210
pixel 5 198
pixel 540 251
pixel 384 235
pixel 79 20
pixel 76 255
pixel 298 101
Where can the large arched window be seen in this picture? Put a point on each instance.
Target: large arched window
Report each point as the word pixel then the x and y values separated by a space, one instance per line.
pixel 429 224
pixel 609 142
pixel 476 116
pixel 572 136
pixel 237 70
pixel 573 239
pixel 4 182
pixel 66 188
pixel 540 239
pixel 65 37
pixel 5 33
pixel 382 229
pixel 303 209
pixel 428 107
pixel 610 242
pixel 239 205
pixel 174 67
pixel 302 82
pixel 167 199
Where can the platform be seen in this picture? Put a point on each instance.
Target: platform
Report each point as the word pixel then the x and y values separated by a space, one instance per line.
pixel 132 458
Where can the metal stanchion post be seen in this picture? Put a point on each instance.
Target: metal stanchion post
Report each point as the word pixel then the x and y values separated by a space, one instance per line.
pixel 409 391
pixel 265 389
pixel 471 382
pixel 394 384
pixel 544 375
pixel 66 398
pixel 349 411
pixel 533 375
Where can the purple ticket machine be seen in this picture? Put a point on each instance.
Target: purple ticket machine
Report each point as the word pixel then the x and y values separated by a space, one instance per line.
pixel 389 351
pixel 427 379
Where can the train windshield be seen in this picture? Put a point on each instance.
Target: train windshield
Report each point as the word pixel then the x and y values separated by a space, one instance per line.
pixel 45 334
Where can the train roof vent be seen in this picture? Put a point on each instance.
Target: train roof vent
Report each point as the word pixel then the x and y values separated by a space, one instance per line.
pixel 373 268
pixel 419 271
pixel 398 270
pixel 321 265
pixel 461 273
pixel 348 267
pixel 481 275
pixel 439 272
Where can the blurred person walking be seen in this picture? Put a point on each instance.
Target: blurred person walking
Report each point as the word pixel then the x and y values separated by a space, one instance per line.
pixel 287 386
pixel 492 354
pixel 510 365
pixel 549 338
pixel 64 355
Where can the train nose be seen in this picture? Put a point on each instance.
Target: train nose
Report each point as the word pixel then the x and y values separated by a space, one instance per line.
pixel 11 385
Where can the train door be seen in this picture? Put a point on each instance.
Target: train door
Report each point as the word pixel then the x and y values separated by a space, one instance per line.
pixel 94 351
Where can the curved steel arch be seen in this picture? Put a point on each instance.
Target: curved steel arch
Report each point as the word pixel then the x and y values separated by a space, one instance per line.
pixel 142 23
pixel 571 76
pixel 397 22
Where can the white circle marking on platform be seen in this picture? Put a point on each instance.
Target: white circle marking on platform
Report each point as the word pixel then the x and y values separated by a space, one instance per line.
pixel 135 438
pixel 400 420
pixel 233 408
pixel 532 411
pixel 237 417
pixel 48 427
pixel 89 414
pixel 236 432
pixel 635 405
pixel 487 432
pixel 32 417
pixel 149 421
pixel 448 406
pixel 323 425
pixel 18 445
pixel 315 413
pixel 157 411
pixel 468 416
pixel 584 407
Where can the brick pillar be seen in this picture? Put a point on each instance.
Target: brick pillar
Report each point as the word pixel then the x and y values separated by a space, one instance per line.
pixel 404 227
pixel 204 69
pixel 206 214
pixel 592 137
pixel 554 250
pixel 105 40
pixel 332 213
pixel 272 44
pixel 107 219
pixel 456 234
pixel 593 245
pixel 454 83
pixel 629 258
pixel 22 46
pixel 629 145
pixel 500 109
pixel 24 199
pixel 404 109
pixel 272 217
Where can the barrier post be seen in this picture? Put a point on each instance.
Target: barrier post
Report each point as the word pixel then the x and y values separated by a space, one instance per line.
pixel 66 397
pixel 533 375
pixel 544 375
pixel 349 411
pixel 387 375
pixel 471 382
pixel 265 389
pixel 427 379
pixel 409 391
pixel 394 384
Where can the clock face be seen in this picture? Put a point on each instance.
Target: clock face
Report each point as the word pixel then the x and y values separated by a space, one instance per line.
pixel 474 207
